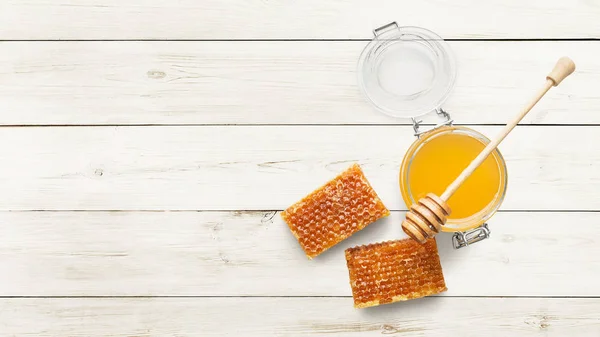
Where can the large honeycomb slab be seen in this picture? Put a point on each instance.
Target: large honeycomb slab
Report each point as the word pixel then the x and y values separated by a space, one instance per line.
pixel 335 211
pixel 394 271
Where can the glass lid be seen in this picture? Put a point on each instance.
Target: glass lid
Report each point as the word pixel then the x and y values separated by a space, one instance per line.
pixel 406 71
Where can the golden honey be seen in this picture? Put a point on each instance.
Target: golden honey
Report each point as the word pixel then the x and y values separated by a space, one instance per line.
pixel 437 158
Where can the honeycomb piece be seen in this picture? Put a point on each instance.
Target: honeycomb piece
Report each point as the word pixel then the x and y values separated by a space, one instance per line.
pixel 334 212
pixel 394 271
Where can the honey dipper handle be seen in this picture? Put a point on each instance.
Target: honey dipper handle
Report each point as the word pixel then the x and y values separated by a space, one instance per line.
pixel 563 68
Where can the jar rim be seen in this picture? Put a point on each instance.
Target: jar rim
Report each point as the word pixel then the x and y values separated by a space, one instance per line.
pixel 475 220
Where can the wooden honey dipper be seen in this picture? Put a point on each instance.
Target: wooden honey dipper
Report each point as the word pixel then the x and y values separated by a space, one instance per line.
pixel 426 217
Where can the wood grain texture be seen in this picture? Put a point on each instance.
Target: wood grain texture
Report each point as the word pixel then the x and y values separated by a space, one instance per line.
pixel 287 317
pixel 263 167
pixel 45 83
pixel 191 263
pixel 256 19
pixel 254 254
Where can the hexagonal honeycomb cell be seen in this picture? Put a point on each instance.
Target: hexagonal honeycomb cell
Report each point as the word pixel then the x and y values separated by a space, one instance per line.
pixel 334 212
pixel 393 271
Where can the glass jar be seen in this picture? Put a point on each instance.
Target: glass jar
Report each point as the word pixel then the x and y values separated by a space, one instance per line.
pixel 439 156
pixel 409 72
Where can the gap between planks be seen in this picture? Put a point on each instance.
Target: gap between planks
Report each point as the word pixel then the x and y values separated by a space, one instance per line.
pixel 274 296
pixel 573 39
pixel 249 211
pixel 278 125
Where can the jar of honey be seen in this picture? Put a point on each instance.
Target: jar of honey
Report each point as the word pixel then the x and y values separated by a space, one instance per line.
pixel 409 72
pixel 436 159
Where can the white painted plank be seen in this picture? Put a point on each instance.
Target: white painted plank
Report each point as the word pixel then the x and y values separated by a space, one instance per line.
pixel 254 254
pixel 263 167
pixel 287 317
pixel 271 83
pixel 311 19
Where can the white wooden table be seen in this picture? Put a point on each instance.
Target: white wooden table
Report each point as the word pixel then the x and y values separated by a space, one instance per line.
pixel 147 147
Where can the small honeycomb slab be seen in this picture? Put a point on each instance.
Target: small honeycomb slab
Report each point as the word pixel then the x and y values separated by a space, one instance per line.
pixel 334 212
pixel 394 271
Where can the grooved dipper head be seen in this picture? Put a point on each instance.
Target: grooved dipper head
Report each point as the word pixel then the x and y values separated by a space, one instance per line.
pixel 426 218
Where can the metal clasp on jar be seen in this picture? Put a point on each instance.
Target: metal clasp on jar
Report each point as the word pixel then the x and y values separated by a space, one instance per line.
pixel 447 120
pixel 463 239
pixel 389 26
